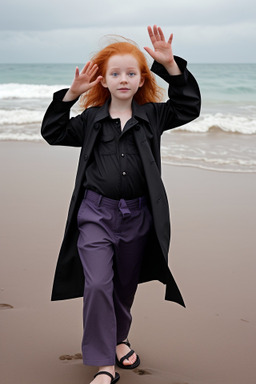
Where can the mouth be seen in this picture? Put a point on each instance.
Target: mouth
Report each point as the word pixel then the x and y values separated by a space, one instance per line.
pixel 123 89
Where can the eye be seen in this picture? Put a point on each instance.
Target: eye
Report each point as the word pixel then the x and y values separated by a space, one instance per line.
pixel 114 74
pixel 131 74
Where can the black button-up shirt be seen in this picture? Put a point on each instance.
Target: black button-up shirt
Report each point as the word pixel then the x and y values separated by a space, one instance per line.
pixel 115 169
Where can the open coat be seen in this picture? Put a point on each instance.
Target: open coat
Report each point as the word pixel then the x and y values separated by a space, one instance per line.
pixel 150 121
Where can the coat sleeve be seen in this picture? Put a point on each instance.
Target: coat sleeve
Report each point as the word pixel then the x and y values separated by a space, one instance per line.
pixel 184 101
pixel 57 126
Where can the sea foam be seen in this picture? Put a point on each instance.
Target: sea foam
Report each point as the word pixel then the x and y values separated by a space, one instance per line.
pixel 28 91
pixel 20 116
pixel 224 122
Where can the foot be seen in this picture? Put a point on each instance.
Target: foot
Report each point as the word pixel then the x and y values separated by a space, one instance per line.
pixel 122 350
pixel 104 379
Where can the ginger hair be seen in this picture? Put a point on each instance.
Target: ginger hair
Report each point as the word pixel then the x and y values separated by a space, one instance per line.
pixel 98 95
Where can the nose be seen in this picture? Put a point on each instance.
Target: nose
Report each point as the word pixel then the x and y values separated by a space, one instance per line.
pixel 123 78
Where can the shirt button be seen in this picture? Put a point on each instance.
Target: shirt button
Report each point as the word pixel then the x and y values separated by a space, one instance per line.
pixel 122 154
pixel 124 173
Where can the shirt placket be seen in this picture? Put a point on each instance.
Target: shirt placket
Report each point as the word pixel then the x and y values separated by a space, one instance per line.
pixel 123 163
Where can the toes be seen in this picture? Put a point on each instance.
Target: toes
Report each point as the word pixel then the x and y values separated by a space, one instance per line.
pixel 134 359
pixel 122 351
pixel 131 360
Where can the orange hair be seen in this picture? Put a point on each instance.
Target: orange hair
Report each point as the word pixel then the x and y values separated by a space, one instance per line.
pixel 98 95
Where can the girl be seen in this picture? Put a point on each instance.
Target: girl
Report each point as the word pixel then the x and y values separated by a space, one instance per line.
pixel 118 229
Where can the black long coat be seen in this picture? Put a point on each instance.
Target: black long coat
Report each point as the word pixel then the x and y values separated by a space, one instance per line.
pixel 149 120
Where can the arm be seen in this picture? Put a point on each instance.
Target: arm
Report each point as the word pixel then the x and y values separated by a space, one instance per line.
pixel 184 101
pixel 57 127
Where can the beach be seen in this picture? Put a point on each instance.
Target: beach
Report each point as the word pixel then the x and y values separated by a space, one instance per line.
pixel 212 257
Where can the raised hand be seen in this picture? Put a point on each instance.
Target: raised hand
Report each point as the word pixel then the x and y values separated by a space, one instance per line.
pixel 162 52
pixel 82 81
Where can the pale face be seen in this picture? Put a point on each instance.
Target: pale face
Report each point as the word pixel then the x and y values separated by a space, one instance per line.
pixel 123 77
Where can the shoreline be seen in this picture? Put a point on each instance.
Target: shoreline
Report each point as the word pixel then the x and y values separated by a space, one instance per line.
pixel 221 165
pixel 212 258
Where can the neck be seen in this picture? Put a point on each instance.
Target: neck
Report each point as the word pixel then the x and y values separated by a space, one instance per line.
pixel 120 106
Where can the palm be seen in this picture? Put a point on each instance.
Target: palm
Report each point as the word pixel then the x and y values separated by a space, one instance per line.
pixel 162 49
pixel 82 81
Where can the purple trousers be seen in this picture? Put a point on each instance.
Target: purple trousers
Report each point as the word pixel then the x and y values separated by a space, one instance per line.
pixel 112 239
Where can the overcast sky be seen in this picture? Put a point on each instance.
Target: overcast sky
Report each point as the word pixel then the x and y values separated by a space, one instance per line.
pixel 69 31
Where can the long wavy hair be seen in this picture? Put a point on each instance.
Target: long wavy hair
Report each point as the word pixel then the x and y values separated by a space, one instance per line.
pixel 98 95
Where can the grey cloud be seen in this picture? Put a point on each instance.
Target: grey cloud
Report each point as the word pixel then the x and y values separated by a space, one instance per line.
pixel 57 14
pixel 56 31
pixel 198 44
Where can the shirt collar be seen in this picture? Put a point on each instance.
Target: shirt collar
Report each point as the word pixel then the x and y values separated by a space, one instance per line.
pixel 102 111
pixel 137 111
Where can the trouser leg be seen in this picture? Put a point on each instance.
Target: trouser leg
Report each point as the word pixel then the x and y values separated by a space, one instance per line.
pixel 111 249
pixel 96 254
pixel 129 253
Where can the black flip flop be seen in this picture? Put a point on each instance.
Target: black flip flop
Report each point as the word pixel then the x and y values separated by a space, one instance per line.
pixel 113 379
pixel 120 364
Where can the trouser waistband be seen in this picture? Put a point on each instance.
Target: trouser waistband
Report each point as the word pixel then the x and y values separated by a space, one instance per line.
pixel 95 197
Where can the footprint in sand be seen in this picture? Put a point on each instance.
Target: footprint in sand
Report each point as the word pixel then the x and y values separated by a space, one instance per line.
pixel 6 306
pixel 77 356
pixel 140 371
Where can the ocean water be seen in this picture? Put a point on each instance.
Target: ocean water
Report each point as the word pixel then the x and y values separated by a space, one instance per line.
pixel 222 139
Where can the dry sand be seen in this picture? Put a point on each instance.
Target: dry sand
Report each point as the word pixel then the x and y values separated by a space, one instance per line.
pixel 213 341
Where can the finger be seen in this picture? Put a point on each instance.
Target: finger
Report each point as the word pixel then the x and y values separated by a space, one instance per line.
pixel 76 72
pixel 161 34
pixel 156 32
pixel 85 68
pixel 170 39
pixel 150 52
pixel 95 82
pixel 91 67
pixel 92 70
pixel 151 35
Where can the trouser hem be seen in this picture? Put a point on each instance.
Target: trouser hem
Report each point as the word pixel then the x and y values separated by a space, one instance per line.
pixel 99 363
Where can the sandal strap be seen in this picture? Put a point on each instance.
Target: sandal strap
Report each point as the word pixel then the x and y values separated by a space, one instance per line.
pixel 125 342
pixel 129 354
pixel 105 373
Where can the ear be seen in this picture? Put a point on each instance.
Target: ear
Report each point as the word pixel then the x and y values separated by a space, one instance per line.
pixel 103 83
pixel 141 82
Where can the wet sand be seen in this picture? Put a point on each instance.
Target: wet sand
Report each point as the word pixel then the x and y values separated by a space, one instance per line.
pixel 212 256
